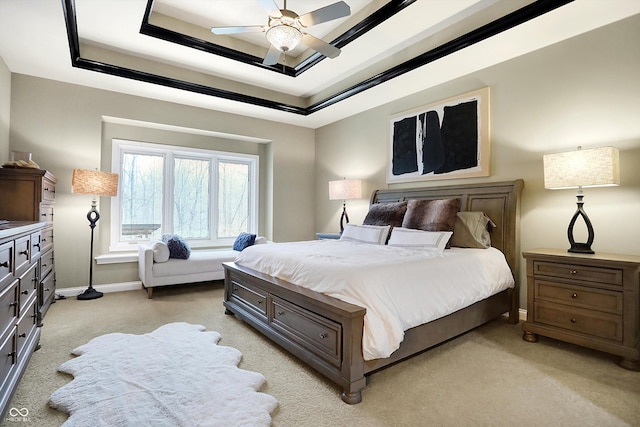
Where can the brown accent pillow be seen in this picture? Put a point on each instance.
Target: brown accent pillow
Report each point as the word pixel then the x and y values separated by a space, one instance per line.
pixel 431 215
pixel 472 230
pixel 386 214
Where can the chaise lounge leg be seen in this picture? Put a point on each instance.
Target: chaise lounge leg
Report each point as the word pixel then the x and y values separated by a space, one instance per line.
pixel 149 293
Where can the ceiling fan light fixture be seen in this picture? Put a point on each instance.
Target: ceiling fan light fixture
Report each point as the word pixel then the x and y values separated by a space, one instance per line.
pixel 284 37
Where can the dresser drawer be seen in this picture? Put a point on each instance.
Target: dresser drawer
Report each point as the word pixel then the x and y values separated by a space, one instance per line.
pixel 46 263
pixel 46 242
pixel 27 287
pixel 318 334
pixel 36 245
pixel 22 257
pixel 253 298
pixel 47 293
pixel 593 323
pixel 48 191
pixel 6 262
pixel 27 325
pixel 46 213
pixel 579 296
pixel 8 307
pixel 610 276
pixel 7 356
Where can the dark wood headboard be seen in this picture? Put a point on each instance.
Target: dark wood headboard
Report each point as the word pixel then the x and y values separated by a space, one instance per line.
pixel 499 200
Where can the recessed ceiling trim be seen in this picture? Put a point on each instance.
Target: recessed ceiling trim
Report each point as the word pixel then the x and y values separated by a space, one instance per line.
pixel 367 24
pixel 511 20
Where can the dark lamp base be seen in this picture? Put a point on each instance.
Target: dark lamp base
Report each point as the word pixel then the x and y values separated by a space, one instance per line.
pixel 581 248
pixel 90 293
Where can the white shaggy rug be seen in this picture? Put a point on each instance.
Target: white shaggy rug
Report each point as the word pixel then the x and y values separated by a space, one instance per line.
pixel 176 375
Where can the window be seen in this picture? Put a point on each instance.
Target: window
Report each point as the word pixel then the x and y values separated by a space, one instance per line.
pixel 207 197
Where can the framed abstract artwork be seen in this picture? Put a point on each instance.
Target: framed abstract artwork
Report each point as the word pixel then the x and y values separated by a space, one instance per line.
pixel 444 140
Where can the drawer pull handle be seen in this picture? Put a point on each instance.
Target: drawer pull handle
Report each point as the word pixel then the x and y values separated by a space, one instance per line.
pixel 25 252
pixel 47 289
pixel 260 301
pixel 22 335
pixel 323 335
pixel 13 353
pixel 573 271
pixel 44 265
pixel 5 264
pixel 25 292
pixel 574 295
pixel 36 245
pixel 280 313
pixel 44 214
pixel 236 289
pixel 13 304
pixel 573 320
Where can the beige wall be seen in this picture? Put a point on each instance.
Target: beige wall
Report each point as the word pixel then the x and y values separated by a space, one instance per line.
pixel 584 91
pixel 67 126
pixel 5 110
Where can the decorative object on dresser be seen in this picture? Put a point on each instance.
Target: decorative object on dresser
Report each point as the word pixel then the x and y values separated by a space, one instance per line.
pixel 20 299
pixel 98 184
pixel 597 167
pixel 588 300
pixel 32 194
pixel 345 189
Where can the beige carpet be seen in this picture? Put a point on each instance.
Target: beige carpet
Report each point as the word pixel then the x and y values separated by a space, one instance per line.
pixel 488 377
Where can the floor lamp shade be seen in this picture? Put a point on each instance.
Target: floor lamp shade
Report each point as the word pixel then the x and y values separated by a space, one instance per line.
pixel 345 189
pixel 94 182
pixel 597 167
pixel 98 184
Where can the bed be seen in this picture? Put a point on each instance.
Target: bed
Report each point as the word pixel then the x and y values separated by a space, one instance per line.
pixel 327 333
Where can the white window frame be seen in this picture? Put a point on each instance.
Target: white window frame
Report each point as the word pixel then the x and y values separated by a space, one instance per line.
pixel 169 152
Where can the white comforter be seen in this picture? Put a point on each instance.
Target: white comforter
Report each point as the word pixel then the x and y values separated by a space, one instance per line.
pixel 400 288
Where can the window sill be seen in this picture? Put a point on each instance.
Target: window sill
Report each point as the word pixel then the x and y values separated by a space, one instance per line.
pixel 117 258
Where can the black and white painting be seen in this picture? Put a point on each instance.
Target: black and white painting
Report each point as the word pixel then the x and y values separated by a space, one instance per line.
pixel 445 140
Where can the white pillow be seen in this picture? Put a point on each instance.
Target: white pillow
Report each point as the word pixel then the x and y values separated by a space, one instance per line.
pixel 260 240
pixel 160 250
pixel 376 234
pixel 433 241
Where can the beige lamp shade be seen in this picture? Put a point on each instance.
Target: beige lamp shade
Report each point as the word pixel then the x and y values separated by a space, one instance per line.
pixel 94 182
pixel 595 167
pixel 345 189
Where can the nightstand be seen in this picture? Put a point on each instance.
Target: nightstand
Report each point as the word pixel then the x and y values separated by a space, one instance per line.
pixel 324 236
pixel 588 300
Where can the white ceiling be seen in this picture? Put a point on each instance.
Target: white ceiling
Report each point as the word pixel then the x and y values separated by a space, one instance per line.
pixel 33 41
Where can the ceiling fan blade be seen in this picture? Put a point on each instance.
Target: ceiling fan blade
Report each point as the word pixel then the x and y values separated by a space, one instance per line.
pixel 321 46
pixel 271 7
pixel 324 14
pixel 272 56
pixel 236 30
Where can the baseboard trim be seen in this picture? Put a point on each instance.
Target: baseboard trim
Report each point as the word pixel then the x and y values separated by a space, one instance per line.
pixel 106 288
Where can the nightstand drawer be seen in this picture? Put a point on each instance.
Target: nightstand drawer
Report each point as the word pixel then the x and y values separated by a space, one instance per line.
pixel 602 275
pixel 579 296
pixel 597 324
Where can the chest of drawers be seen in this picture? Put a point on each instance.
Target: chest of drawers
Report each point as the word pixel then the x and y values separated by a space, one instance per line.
pixel 19 279
pixel 29 195
pixel 588 300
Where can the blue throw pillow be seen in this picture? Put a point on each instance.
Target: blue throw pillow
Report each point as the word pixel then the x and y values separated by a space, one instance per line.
pixel 244 240
pixel 178 247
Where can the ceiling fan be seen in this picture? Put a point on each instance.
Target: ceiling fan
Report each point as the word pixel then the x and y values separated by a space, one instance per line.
pixel 285 29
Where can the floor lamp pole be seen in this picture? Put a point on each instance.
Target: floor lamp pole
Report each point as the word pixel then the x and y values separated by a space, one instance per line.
pixel 93 216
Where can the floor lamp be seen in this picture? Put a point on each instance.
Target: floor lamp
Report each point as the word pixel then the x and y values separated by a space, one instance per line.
pixel 345 189
pixel 597 167
pixel 95 183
